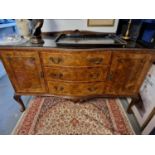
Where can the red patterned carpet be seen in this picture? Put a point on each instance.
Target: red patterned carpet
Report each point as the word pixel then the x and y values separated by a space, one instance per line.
pixel 57 116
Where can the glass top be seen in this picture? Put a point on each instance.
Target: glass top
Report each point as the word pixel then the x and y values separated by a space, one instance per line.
pixel 51 42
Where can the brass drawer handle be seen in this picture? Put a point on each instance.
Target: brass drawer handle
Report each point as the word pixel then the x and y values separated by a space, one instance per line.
pixel 9 58
pixel 32 59
pixel 57 75
pixel 55 60
pixel 142 61
pixel 94 76
pixel 120 60
pixel 92 89
pixel 96 60
pixel 58 88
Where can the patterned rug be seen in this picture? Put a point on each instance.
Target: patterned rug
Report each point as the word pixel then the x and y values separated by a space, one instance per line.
pixel 57 116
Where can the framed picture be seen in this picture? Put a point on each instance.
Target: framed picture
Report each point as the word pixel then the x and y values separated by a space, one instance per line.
pixel 150 127
pixel 144 113
pixel 100 22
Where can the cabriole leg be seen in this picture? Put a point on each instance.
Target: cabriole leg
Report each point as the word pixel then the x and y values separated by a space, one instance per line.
pixel 20 102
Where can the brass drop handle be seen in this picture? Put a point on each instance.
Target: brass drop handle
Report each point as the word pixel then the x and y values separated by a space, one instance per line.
pixel 58 88
pixel 142 61
pixel 32 59
pixel 94 76
pixel 9 58
pixel 92 89
pixel 96 60
pixel 57 75
pixel 55 60
pixel 120 60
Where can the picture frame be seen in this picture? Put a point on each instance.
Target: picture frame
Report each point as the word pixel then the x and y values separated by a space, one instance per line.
pixel 100 22
pixel 147 111
pixel 150 127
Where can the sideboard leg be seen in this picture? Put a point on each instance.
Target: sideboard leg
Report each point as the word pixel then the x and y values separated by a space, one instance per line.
pixel 135 100
pixel 20 102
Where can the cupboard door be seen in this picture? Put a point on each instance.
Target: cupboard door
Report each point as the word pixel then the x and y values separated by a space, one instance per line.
pixel 127 73
pixel 24 70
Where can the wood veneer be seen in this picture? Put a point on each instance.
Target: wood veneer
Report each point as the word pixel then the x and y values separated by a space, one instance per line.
pixel 77 74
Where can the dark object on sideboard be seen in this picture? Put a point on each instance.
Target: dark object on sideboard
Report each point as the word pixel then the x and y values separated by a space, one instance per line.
pixel 81 40
pixel 134 28
pixel 147 34
pixel 36 31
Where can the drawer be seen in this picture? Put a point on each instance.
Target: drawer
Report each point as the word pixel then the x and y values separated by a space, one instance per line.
pixel 76 74
pixel 73 89
pixel 75 58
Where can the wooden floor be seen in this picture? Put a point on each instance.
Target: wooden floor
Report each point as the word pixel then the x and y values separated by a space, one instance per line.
pixel 10 114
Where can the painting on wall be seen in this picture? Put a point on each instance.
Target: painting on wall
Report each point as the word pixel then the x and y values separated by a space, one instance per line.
pixel 100 22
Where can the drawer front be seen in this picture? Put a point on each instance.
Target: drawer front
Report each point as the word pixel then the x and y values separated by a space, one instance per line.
pixel 72 89
pixel 76 74
pixel 75 59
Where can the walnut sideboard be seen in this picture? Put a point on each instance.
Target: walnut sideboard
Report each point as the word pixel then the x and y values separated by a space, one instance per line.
pixel 76 74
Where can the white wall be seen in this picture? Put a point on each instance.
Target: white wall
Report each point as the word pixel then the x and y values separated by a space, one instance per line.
pixel 72 24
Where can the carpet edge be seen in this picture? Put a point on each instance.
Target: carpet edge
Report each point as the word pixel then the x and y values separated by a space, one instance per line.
pixel 123 111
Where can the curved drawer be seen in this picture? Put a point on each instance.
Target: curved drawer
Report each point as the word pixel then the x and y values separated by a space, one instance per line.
pixel 76 74
pixel 72 89
pixel 75 58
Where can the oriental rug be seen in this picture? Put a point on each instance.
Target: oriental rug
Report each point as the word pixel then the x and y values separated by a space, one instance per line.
pixel 57 116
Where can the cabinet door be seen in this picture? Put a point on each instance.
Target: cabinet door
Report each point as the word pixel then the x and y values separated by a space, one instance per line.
pixel 127 73
pixel 24 70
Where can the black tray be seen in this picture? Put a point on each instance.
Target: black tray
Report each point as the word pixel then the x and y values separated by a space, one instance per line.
pixel 89 40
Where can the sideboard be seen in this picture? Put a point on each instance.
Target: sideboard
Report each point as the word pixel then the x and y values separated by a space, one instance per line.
pixel 76 74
